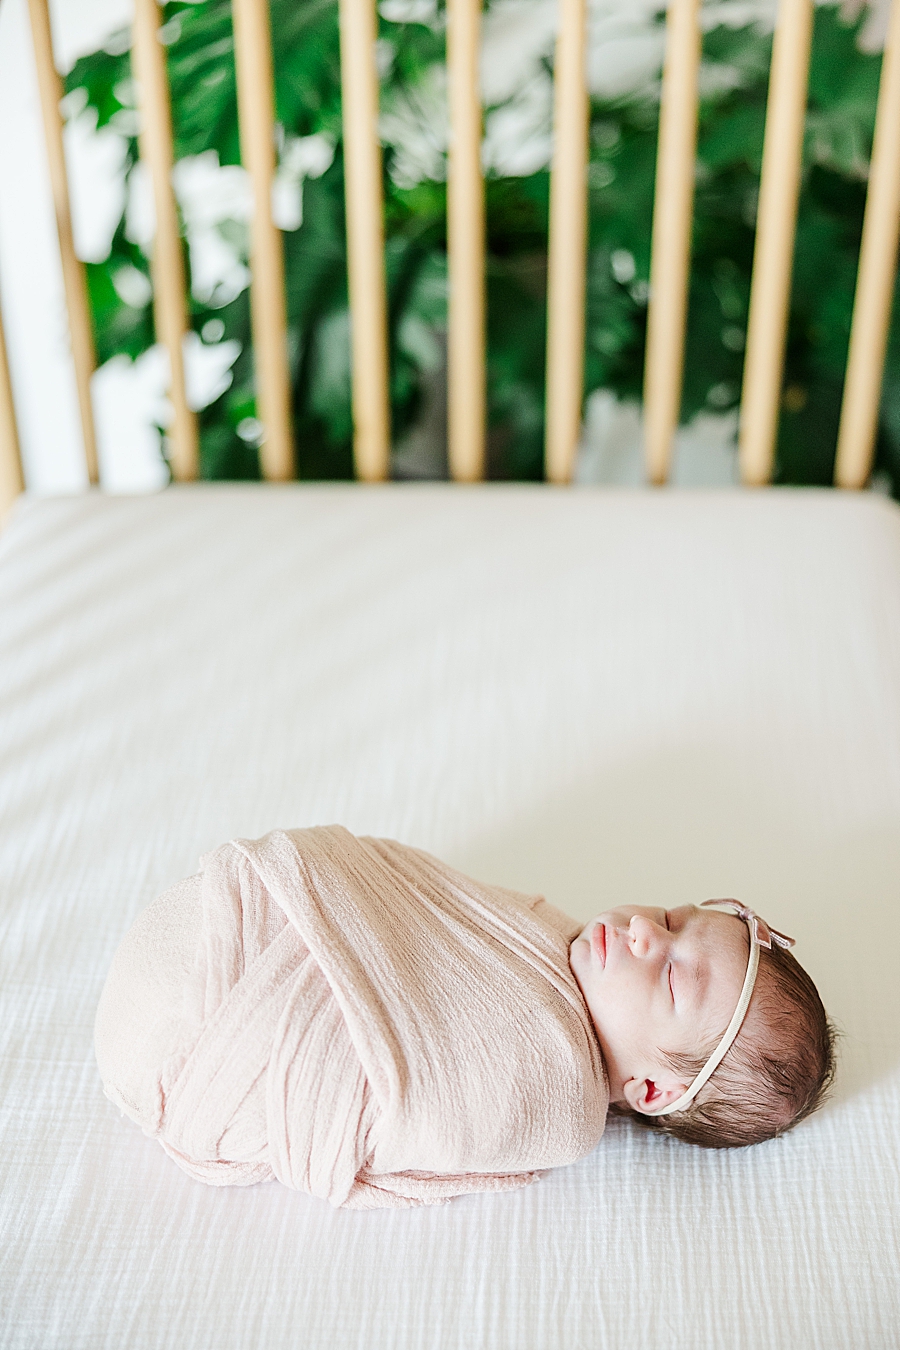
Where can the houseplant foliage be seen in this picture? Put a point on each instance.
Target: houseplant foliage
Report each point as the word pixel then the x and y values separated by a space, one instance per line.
pixel 842 96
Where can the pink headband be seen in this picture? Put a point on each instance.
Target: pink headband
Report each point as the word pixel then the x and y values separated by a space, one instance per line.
pixel 761 935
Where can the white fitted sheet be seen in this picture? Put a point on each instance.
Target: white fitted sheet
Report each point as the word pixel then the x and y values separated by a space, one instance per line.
pixel 603 696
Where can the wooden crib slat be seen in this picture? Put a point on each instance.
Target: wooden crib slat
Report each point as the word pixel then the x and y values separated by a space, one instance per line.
pixel 268 313
pixel 673 206
pixel 81 334
pixel 775 229
pixel 567 245
pixel 170 314
pixel 12 480
pixel 365 241
pixel 465 246
pixel 875 280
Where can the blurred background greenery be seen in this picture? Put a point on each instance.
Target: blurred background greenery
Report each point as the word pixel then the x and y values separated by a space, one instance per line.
pixel 842 95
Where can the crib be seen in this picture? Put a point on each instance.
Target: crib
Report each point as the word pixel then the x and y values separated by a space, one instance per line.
pixel 604 696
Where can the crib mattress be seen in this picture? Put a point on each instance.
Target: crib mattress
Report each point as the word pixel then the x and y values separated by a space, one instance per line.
pixel 606 697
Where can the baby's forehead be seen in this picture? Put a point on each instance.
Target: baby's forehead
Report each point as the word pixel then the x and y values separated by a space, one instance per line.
pixel 719 945
pixel 712 921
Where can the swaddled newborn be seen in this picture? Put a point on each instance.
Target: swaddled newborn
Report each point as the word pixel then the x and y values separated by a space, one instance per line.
pixel 367 1024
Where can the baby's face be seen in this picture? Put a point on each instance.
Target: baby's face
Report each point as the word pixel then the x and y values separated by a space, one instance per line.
pixel 658 982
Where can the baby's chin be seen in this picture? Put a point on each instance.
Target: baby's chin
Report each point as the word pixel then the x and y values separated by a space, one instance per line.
pixel 580 953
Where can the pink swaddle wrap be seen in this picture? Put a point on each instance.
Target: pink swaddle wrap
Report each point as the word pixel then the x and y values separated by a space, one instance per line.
pixel 368 1025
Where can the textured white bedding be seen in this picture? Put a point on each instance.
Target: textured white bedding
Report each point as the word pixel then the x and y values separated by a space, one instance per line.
pixel 603 696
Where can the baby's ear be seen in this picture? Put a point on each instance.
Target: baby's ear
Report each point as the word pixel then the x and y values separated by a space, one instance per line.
pixel 649 1095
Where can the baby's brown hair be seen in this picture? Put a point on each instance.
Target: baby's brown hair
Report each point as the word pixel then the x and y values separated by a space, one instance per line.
pixel 776 1073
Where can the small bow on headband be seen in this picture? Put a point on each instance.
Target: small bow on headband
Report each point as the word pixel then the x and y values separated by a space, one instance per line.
pixel 760 932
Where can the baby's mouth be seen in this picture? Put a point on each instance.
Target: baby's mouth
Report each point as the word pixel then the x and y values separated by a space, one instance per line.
pixel 598 942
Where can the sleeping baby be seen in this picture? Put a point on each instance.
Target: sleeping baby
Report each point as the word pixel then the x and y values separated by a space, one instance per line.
pixel 366 1024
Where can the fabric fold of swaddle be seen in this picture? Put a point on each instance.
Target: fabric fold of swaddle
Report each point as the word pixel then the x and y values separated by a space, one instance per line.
pixel 368 1025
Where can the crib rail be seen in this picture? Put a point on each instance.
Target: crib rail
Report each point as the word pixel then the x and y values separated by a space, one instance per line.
pixel 670 264
pixel 12 480
pixel 81 333
pixel 875 284
pixel 268 311
pixel 170 316
pixel 671 240
pixel 465 246
pixel 365 241
pixel 775 227
pixel 567 245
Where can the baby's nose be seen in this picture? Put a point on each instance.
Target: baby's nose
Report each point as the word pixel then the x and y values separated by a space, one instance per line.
pixel 644 934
